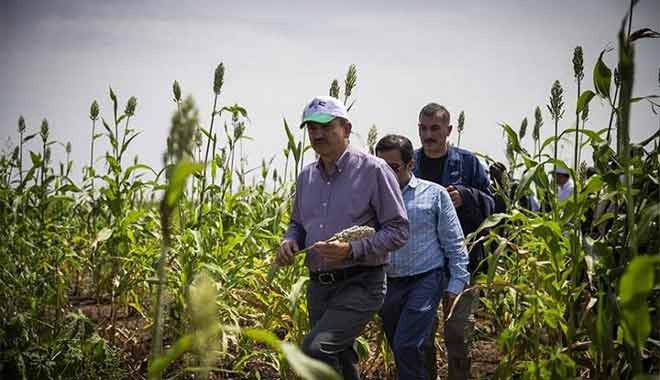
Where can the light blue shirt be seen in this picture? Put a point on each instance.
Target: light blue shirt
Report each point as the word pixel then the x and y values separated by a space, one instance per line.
pixel 435 234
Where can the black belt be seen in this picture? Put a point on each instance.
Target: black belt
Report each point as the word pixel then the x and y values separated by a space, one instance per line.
pixel 414 277
pixel 330 277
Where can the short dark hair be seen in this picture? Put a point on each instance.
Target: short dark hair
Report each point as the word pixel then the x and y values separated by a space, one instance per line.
pixel 398 142
pixel 435 110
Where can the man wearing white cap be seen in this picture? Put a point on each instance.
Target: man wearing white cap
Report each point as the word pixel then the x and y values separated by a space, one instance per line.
pixel 564 184
pixel 344 188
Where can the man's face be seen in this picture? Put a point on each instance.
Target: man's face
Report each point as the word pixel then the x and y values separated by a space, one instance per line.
pixel 393 159
pixel 561 179
pixel 330 138
pixel 433 133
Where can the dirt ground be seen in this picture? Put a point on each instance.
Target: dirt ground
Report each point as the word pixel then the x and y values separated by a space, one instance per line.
pixel 132 337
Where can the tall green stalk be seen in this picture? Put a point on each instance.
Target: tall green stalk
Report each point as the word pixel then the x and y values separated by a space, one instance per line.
pixel 21 131
pixel 578 73
pixel 181 139
pixel 94 116
pixel 218 81
pixel 613 101
pixel 557 112
pixel 627 70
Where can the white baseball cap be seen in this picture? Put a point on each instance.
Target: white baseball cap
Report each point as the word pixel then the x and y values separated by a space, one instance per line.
pixel 323 109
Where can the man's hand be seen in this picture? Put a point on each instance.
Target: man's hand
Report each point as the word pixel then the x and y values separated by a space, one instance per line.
pixel 286 251
pixel 333 252
pixel 455 196
pixel 447 302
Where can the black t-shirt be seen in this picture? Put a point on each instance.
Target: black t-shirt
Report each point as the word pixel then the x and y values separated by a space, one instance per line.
pixel 431 168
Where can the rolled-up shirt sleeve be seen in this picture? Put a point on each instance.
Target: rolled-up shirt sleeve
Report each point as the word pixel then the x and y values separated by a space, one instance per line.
pixel 450 236
pixel 391 217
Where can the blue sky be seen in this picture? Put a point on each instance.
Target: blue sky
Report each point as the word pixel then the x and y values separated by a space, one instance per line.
pixel 494 60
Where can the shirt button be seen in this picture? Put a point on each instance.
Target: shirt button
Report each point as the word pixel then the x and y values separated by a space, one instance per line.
pixel 321 226
pixel 325 204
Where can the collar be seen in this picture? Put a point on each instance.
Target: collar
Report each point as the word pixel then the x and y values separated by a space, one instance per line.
pixel 413 183
pixel 341 162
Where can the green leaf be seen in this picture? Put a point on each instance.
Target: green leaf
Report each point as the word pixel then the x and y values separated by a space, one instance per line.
pixel 291 141
pixel 646 227
pixel 644 33
pixel 35 158
pixel 114 164
pixel 102 236
pixel 263 336
pixel 491 221
pixel 113 97
pixel 634 288
pixel 602 77
pixel 29 137
pixel 69 187
pixel 512 135
pixel 584 99
pixel 640 98
pixel 178 181
pixel 160 364
pixel 296 292
pixel 306 367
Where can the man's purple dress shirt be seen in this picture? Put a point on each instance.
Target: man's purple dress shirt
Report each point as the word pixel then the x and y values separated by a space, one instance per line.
pixel 362 190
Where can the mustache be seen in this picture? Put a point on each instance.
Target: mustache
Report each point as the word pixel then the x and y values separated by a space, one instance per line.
pixel 317 141
pixel 429 141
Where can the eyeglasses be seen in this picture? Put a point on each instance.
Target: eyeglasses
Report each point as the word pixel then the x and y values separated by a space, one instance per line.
pixel 394 166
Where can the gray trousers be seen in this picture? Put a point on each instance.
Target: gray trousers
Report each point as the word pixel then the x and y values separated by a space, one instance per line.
pixel 338 313
pixel 457 331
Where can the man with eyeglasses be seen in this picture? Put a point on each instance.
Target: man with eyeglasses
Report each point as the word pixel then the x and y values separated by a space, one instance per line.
pixel 415 275
pixel 344 188
pixel 468 185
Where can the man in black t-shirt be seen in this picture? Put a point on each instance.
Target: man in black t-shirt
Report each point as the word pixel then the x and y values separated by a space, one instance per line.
pixel 466 180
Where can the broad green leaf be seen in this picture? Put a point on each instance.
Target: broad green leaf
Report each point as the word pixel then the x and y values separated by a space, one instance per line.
pixel 263 336
pixel 634 288
pixel 584 100
pixel 646 227
pixel 102 236
pixel 178 181
pixel 306 367
pixel 158 365
pixel 512 136
pixel 602 77
pixel 35 158
pixel 296 292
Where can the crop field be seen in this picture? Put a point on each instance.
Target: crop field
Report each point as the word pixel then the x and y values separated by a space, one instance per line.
pixel 140 272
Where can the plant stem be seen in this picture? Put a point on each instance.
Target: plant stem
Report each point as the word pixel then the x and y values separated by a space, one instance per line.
pixel 206 159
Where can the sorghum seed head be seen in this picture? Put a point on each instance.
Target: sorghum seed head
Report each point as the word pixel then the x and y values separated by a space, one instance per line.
pixel 176 89
pixel 354 233
pixel 219 78
pixel 523 129
pixel 351 80
pixel 130 106
pixel 334 89
pixel 578 63
pixel 44 130
pixel 21 124
pixel 94 110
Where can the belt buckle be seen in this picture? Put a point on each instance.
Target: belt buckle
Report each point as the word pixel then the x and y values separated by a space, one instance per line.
pixel 326 278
